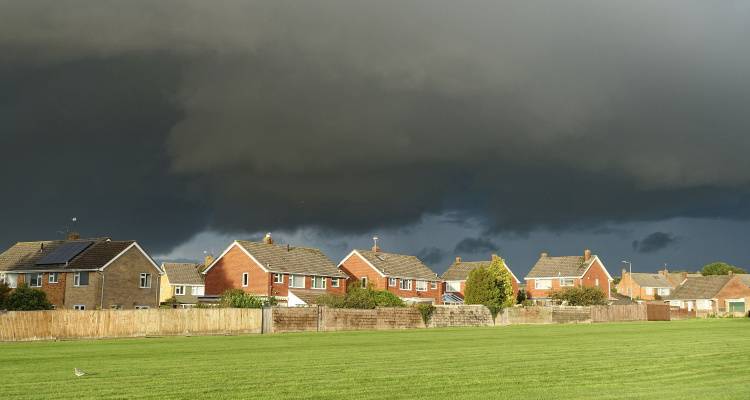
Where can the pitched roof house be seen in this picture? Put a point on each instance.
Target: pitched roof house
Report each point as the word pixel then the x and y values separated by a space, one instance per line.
pixel 269 269
pixel 551 274
pixel 183 281
pixel 645 286
pixel 85 273
pixel 456 275
pixel 403 275
pixel 713 294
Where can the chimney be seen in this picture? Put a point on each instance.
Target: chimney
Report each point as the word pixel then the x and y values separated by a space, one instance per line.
pixel 586 255
pixel 683 276
pixel 544 254
pixel 208 260
pixel 268 239
pixel 624 271
pixel 458 260
pixel 375 247
pixel 288 247
pixel 731 273
pixel 73 236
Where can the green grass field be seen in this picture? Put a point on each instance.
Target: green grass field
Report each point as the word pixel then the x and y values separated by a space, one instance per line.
pixel 700 359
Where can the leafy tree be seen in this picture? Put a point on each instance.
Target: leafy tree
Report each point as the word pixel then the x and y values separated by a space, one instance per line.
pixel 504 281
pixel 521 296
pixel 4 293
pixel 491 286
pixel 580 296
pixel 237 298
pixel 25 298
pixel 720 268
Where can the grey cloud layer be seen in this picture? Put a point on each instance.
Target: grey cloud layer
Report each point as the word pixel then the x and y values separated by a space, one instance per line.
pixel 350 115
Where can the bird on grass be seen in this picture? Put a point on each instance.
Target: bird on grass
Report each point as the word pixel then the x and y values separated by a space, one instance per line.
pixel 79 372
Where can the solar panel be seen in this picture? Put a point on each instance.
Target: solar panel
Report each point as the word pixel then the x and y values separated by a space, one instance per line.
pixel 64 253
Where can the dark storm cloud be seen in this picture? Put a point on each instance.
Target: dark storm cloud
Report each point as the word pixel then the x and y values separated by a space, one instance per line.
pixel 475 246
pixel 654 242
pixel 162 118
pixel 431 256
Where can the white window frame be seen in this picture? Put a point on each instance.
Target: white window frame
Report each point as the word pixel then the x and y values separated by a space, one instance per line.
pixel 453 286
pixel 405 287
pixel 54 275
pixel 77 279
pixel 179 290
pixel 421 286
pixel 649 291
pixel 596 282
pixel 79 307
pixel 245 279
pixel 144 281
pixel 363 281
pixel 392 282
pixel 278 278
pixel 568 282
pixel 433 285
pixel 334 282
pixel 294 278
pixel 663 291
pixel 39 278
pixel 11 280
pixel 546 286
pixel 321 279
pixel 198 290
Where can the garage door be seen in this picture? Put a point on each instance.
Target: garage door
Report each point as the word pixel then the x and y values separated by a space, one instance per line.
pixel 736 306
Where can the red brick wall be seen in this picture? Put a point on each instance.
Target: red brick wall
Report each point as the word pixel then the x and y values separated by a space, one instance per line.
pixel 227 274
pixel 55 291
pixel 734 289
pixel 589 279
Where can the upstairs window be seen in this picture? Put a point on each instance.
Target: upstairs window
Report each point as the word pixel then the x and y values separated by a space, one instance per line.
pixel 453 286
pixel 179 290
pixel 334 282
pixel 81 279
pixel 198 290
pixel 245 279
pixel 318 282
pixel 543 284
pixel 405 284
pixel 392 282
pixel 565 282
pixel 433 285
pixel 53 277
pixel 145 281
pixel 649 291
pixel 34 280
pixel 296 281
pixel 663 291
pixel 278 278
pixel 421 286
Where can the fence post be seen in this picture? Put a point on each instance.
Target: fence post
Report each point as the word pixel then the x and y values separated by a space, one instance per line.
pixel 266 320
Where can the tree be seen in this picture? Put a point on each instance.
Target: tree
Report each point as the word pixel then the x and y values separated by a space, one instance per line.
pixel 491 286
pixel 504 281
pixel 4 293
pixel 580 296
pixel 25 298
pixel 521 296
pixel 720 268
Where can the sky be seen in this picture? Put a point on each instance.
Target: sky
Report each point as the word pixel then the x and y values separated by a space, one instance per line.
pixel 445 128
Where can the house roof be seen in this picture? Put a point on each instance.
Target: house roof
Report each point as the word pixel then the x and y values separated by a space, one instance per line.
pixel 309 296
pixel 701 287
pixel 562 266
pixel 651 280
pixel 291 259
pixel 398 265
pixel 745 278
pixel 24 256
pixel 459 271
pixel 183 273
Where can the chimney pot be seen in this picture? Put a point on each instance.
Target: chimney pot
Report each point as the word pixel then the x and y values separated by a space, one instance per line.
pixel 624 271
pixel 268 239
pixel 543 254
pixel 73 236
pixel 458 260
pixel 586 255
pixel 208 260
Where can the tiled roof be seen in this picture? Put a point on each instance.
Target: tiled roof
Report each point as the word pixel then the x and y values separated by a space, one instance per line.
pixel 459 271
pixel 23 256
pixel 745 278
pixel 183 273
pixel 309 296
pixel 564 266
pixel 651 280
pixel 292 259
pixel 702 287
pixel 398 265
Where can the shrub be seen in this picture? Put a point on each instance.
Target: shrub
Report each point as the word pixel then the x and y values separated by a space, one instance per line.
pixel 528 303
pixel 331 300
pixel 4 293
pixel 425 310
pixel 236 298
pixel 521 296
pixel 25 298
pixel 359 298
pixel 580 296
pixel 384 298
pixel 362 299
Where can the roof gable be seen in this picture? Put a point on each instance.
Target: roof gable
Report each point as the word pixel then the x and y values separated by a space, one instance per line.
pixel 561 266
pixel 397 265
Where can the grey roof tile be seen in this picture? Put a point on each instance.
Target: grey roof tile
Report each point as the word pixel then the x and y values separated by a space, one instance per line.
pixel 701 287
pixel 563 266
pixel 183 273
pixel 398 265
pixel 292 259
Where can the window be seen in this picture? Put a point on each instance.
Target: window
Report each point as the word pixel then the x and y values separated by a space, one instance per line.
pixel 567 282
pixel 596 281
pixel 296 281
pixel 198 290
pixel 405 284
pixel 318 282
pixel 392 282
pixel 543 284
pixel 52 277
pixel 649 291
pixel 142 307
pixel 334 282
pixel 81 279
pixel 179 290
pixel 11 280
pixel 433 285
pixel 245 279
pixel 34 280
pixel 703 304
pixel 421 286
pixel 663 291
pixel 453 286
pixel 364 282
pixel 278 278
pixel 79 307
pixel 145 281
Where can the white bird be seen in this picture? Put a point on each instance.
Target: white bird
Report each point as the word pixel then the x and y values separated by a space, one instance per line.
pixel 79 372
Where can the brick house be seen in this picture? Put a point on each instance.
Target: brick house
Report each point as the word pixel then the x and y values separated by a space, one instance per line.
pixel 714 294
pixel 551 274
pixel 84 274
pixel 456 275
pixel 267 269
pixel 405 276
pixel 646 286
pixel 183 281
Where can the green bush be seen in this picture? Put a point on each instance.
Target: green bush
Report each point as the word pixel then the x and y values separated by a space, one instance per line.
pixel 425 310
pixel 4 293
pixel 580 296
pixel 521 296
pixel 359 298
pixel 236 298
pixel 331 300
pixel 25 298
pixel 362 299
pixel 384 298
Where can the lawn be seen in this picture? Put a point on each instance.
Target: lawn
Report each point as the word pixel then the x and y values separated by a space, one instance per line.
pixel 700 359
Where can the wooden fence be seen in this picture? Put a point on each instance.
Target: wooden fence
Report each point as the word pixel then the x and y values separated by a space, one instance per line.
pixel 72 324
